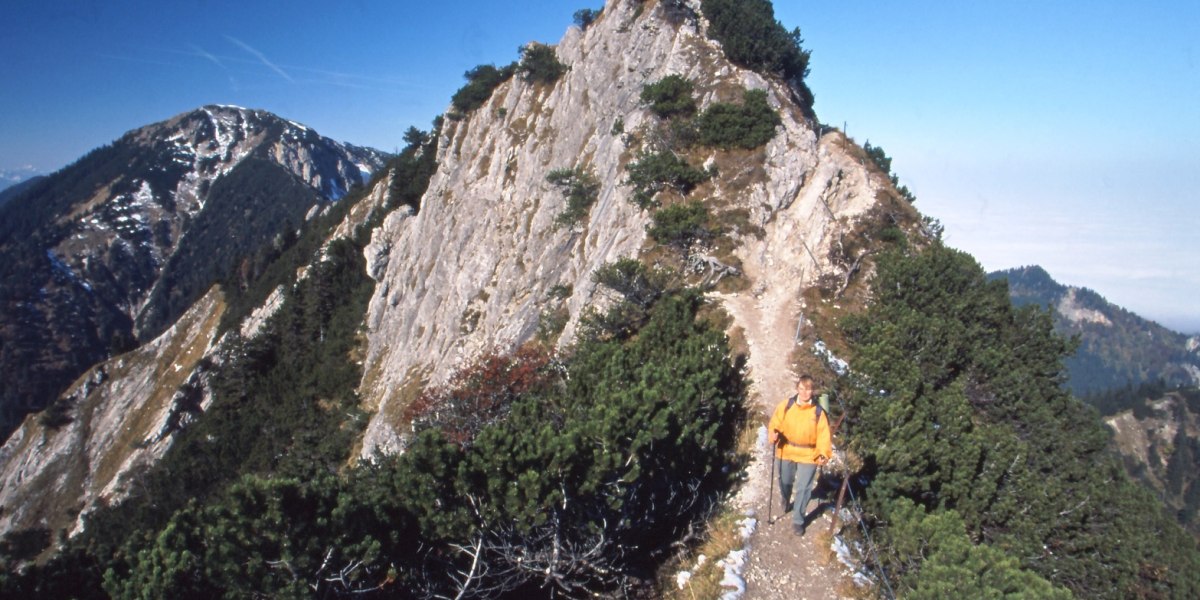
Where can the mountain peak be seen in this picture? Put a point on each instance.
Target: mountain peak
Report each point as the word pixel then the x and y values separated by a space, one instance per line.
pixel 1030 277
pixel 117 245
pixel 1116 347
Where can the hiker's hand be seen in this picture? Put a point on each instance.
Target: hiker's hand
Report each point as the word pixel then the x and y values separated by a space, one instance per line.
pixel 774 437
pixel 821 460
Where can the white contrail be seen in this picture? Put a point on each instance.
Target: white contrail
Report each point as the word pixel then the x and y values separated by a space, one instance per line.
pixel 202 52
pixel 261 57
pixel 322 76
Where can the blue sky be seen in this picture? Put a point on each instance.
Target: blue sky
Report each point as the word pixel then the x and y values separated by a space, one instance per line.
pixel 1055 133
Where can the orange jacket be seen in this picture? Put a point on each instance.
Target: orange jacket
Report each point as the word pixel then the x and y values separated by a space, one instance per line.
pixel 808 438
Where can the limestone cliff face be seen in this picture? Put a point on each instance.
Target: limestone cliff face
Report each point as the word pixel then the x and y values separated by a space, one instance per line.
pixel 471 272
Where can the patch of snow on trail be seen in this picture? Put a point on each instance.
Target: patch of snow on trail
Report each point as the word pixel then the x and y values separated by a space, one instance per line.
pixel 839 366
pixel 682 578
pixel 734 564
pixel 846 556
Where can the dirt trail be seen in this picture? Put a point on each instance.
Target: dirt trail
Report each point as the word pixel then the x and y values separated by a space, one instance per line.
pixel 781 565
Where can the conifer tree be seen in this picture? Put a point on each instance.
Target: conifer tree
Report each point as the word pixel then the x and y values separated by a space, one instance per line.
pixel 963 410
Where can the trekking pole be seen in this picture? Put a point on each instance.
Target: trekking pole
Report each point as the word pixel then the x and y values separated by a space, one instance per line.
pixel 837 508
pixel 771 492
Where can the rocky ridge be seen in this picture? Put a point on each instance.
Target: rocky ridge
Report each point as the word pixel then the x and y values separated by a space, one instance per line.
pixel 472 270
pixel 116 418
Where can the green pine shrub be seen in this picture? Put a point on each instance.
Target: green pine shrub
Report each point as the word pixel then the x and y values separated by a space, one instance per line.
pixel 551 323
pixel 481 82
pixel 539 64
pixel 682 225
pixel 930 556
pixel 57 415
pixel 748 125
pixel 752 38
pixel 581 190
pixel 653 172
pixel 618 126
pixel 884 162
pixel 670 97
pixel 584 17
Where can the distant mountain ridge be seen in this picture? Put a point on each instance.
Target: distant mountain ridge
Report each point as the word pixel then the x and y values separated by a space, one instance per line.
pixel 12 177
pixel 115 247
pixel 1116 347
pixel 11 190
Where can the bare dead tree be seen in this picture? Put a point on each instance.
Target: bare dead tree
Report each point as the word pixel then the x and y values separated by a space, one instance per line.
pixel 714 270
pixel 848 275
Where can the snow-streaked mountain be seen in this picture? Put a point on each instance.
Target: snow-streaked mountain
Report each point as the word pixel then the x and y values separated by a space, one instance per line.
pixel 115 247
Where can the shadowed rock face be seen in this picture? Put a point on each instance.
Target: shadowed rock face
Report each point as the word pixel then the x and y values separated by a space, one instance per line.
pixel 1157 440
pixel 115 247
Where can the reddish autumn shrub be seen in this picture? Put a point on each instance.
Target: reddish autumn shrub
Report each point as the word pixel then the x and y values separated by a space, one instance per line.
pixel 481 393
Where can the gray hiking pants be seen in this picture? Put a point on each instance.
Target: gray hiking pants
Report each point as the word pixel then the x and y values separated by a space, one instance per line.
pixel 802 475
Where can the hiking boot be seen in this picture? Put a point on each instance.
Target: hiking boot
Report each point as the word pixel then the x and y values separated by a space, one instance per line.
pixel 798 529
pixel 787 507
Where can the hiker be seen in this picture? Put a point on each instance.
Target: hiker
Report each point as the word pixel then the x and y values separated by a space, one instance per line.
pixel 799 431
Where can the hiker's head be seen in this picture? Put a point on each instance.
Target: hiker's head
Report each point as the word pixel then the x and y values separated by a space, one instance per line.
pixel 804 388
